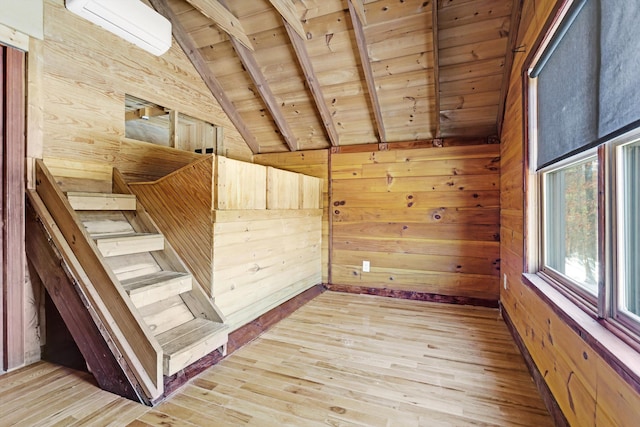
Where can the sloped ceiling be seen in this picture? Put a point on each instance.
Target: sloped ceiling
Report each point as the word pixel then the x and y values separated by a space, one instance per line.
pixel 309 74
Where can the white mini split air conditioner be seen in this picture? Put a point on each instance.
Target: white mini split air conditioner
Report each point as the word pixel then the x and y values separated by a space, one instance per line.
pixel 130 19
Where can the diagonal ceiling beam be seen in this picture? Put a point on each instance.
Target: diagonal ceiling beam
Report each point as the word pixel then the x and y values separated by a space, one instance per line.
pixel 358 6
pixel 219 14
pixel 307 68
pixel 192 52
pixel 516 16
pixel 297 36
pixel 287 10
pixel 368 72
pixel 252 67
pixel 436 67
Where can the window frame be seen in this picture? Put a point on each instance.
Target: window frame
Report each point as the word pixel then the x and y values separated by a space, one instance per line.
pixel 606 307
pixel 627 321
pixel 567 285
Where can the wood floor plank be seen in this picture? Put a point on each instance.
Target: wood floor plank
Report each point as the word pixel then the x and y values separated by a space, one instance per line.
pixel 341 360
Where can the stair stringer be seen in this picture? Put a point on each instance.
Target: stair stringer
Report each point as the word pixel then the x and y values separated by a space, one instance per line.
pixel 71 291
pixel 130 335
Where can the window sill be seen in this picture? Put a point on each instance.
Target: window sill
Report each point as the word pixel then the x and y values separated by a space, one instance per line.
pixel 619 355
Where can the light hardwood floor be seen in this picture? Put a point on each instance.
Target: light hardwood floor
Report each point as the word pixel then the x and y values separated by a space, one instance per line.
pixel 340 360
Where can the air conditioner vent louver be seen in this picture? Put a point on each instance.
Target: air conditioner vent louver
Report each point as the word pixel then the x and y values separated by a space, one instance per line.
pixel 131 20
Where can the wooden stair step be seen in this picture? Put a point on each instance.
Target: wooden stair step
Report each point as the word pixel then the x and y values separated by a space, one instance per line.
pixel 84 201
pixel 165 315
pixel 130 243
pixel 151 288
pixel 190 341
pixel 129 266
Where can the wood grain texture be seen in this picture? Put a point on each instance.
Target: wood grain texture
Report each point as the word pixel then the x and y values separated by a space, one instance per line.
pixel 109 370
pixel 239 185
pixel 83 106
pixel 225 234
pixel 425 218
pixel 251 274
pixel 365 62
pixel 141 161
pixel 587 386
pixel 241 337
pixel 12 141
pixel 339 359
pixel 126 327
pixel 313 163
pixel 187 225
pixel 283 189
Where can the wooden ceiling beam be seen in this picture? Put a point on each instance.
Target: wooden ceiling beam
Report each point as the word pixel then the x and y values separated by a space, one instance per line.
pixel 436 67
pixel 516 15
pixel 307 68
pixel 358 6
pixel 219 14
pixel 287 10
pixel 297 36
pixel 201 66
pixel 251 65
pixel 368 72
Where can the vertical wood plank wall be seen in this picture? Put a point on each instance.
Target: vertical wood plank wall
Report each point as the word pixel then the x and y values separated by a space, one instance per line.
pixel 587 389
pixel 87 71
pixel 249 256
pixel 313 163
pixel 426 219
pixel 12 301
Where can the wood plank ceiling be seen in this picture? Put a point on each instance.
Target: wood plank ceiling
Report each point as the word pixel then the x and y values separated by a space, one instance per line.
pixel 310 74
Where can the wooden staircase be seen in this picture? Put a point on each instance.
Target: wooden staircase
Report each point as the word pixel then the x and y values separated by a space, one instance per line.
pixel 134 310
pixel 156 291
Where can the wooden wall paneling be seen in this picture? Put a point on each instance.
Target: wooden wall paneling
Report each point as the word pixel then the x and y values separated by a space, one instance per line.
pixel 79 175
pixel 240 185
pixel 230 248
pixel 310 194
pixel 587 388
pixel 13 185
pixel 427 219
pixel 3 313
pixel 141 161
pixel 197 299
pixel 35 108
pixel 283 189
pixel 187 225
pixel 251 274
pixel 83 106
pixel 314 163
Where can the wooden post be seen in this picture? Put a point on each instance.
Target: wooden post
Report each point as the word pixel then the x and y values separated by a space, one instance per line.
pixel 13 257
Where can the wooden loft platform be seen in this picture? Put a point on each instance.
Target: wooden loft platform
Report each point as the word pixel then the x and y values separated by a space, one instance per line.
pixel 251 234
pixel 319 366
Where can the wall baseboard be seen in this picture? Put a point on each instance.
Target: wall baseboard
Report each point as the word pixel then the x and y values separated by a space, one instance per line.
pixel 412 295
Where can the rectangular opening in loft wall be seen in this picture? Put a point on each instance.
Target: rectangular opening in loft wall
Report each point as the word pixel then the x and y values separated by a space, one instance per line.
pixel 150 122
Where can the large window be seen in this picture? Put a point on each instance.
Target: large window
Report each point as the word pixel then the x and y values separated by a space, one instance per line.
pixel 628 207
pixel 570 221
pixel 584 133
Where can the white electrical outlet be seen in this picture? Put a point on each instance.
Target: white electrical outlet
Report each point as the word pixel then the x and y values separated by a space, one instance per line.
pixel 366 266
pixel 504 281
